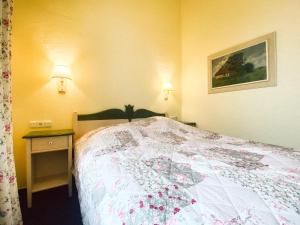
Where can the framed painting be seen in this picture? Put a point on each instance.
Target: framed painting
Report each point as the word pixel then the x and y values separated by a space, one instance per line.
pixel 245 66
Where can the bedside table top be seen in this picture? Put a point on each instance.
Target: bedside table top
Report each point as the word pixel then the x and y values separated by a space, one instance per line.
pixel 193 124
pixel 48 133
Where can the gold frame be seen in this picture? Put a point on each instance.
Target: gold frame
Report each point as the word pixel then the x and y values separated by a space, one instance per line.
pixel 270 39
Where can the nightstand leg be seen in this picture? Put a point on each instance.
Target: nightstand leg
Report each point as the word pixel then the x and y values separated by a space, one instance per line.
pixel 70 165
pixel 29 178
pixel 29 198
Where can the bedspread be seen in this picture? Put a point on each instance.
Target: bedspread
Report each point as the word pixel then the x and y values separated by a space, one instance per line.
pixel 158 171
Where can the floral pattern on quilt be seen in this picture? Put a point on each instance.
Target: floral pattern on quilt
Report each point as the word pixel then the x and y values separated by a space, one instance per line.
pixel 172 138
pixel 279 191
pixel 159 206
pixel 177 173
pixel 242 159
pixel 166 194
pixel 161 172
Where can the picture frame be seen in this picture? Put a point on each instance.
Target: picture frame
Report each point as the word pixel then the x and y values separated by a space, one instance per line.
pixel 249 65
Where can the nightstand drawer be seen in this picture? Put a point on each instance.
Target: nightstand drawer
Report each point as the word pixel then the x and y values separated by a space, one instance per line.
pixel 49 143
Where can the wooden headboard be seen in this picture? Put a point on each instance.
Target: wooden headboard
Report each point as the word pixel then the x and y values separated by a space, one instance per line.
pixel 83 123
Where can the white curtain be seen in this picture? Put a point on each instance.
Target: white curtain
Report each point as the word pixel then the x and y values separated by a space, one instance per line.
pixel 10 213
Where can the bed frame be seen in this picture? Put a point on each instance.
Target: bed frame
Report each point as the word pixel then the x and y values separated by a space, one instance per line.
pixel 83 123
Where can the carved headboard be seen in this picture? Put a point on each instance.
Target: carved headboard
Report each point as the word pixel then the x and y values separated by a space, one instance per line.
pixel 83 123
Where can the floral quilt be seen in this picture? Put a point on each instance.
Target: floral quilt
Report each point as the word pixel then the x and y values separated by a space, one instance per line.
pixel 158 171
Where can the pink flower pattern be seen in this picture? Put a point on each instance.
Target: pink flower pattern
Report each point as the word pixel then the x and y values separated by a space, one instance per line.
pixel 9 201
pixel 165 203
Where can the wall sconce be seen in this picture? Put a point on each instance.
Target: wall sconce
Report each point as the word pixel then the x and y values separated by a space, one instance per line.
pixel 62 74
pixel 167 88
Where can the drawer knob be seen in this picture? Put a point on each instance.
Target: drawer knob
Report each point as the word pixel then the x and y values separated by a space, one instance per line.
pixel 50 142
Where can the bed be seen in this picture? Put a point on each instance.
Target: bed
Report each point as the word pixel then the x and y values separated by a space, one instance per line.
pixel 143 168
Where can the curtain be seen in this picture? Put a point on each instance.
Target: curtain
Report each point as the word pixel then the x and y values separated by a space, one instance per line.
pixel 10 213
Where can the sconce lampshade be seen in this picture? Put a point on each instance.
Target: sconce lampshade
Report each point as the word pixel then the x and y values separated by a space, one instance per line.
pixel 168 86
pixel 61 72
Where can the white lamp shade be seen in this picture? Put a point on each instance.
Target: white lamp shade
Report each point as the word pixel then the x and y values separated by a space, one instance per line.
pixel 61 72
pixel 168 86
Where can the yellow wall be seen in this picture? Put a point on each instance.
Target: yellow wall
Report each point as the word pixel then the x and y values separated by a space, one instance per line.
pixel 271 115
pixel 119 51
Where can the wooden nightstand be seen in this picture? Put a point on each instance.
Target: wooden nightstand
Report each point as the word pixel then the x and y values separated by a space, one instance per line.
pixel 48 145
pixel 193 124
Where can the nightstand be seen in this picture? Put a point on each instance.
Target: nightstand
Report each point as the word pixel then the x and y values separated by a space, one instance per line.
pixel 43 147
pixel 193 124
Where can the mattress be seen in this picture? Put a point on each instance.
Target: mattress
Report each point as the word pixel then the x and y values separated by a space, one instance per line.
pixel 158 171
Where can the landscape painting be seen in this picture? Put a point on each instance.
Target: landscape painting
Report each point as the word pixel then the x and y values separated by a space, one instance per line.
pixel 247 65
pixel 241 66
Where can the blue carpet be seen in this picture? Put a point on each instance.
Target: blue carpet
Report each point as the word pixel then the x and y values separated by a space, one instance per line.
pixel 51 207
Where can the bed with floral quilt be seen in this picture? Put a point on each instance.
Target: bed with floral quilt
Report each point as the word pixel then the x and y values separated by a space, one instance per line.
pixel 157 171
